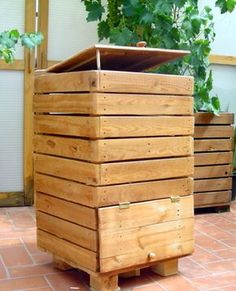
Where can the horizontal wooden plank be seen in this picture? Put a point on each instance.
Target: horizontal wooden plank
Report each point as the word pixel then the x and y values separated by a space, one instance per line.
pixel 207 185
pixel 222 60
pixel 202 131
pixel 113 149
pixel 112 195
pixel 201 159
pixel 212 198
pixel 165 252
pixel 144 213
pixel 126 172
pixel 212 145
pixel 74 233
pixel 108 126
pixel 209 118
pixel 66 82
pixel 84 172
pixel 201 172
pixel 11 199
pixel 74 253
pixel 114 82
pixel 114 104
pixel 144 239
pixel 72 212
pixel 17 65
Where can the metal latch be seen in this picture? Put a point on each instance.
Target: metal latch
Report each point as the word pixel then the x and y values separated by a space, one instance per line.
pixel 175 199
pixel 124 205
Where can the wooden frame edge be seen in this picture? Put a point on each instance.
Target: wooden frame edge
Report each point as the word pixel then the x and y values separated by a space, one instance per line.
pixel 18 65
pixel 222 60
pixel 11 199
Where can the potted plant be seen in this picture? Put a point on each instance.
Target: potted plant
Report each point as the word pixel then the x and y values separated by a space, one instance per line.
pixel 178 25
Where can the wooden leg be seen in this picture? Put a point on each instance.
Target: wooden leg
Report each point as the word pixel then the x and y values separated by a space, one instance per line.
pixel 101 282
pixel 134 273
pixel 59 264
pixel 166 268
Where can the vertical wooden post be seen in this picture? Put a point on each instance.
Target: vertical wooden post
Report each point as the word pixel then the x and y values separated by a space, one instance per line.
pixel 100 282
pixel 42 52
pixel 166 268
pixel 30 19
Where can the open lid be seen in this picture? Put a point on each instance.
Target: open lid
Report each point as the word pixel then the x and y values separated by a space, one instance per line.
pixel 118 58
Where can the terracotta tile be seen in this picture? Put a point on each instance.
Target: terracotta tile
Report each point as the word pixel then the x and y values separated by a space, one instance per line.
pixel 23 283
pixel 229 253
pixel 228 288
pixel 20 233
pixel 202 256
pixel 151 287
pixel 15 256
pixel 22 219
pixel 135 281
pixel 231 241
pixel 222 266
pixel 174 283
pixel 5 224
pixel 25 271
pixel 215 232
pixel 63 281
pixel 3 273
pixel 40 289
pixel 190 269
pixel 43 258
pixel 31 245
pixel 6 242
pixel 208 243
pixel 215 281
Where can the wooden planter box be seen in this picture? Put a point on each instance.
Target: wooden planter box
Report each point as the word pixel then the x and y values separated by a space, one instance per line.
pixel 213 144
pixel 114 166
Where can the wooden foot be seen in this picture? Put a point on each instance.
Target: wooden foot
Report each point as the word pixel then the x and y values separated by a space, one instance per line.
pixel 166 268
pixel 134 273
pixel 59 264
pixel 99 282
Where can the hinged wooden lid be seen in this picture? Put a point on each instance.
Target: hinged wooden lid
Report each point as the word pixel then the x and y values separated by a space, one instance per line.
pixel 117 58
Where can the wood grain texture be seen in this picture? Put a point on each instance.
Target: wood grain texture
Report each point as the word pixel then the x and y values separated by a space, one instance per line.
pixel 114 104
pixel 126 172
pixel 113 149
pixel 115 242
pixel 207 185
pixel 61 228
pixel 105 127
pixel 201 159
pixel 166 268
pixel 144 213
pixel 77 255
pixel 213 131
pixel 213 145
pixel 18 65
pixel 100 282
pixel 212 198
pixel 72 212
pixel 209 118
pixel 11 199
pixel 215 171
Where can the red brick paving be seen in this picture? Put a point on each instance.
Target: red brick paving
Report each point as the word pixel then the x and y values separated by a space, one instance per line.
pixel 211 267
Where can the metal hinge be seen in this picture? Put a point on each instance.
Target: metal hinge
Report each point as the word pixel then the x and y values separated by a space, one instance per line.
pixel 124 205
pixel 175 199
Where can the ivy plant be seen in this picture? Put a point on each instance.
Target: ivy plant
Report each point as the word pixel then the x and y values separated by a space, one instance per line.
pixel 172 24
pixel 10 38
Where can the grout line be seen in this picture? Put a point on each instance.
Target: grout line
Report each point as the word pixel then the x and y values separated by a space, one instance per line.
pixel 27 251
pixel 5 268
pixel 49 284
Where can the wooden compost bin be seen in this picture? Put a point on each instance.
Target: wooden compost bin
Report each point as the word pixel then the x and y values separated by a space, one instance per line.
pixel 114 163
pixel 213 145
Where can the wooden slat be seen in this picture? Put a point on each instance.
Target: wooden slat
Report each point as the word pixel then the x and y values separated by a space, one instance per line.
pixel 213 131
pixel 212 145
pixel 173 250
pixel 126 172
pixel 212 184
pixel 209 118
pixel 201 159
pixel 70 169
pixel 66 210
pixel 112 195
pixel 114 104
pixel 74 233
pixel 64 189
pixel 114 82
pixel 144 213
pixel 18 65
pixel 201 172
pixel 113 149
pixel 11 199
pixel 128 82
pixel 105 127
pixel 74 253
pixel 223 60
pixel 144 239
pixel 212 198
pixel 29 57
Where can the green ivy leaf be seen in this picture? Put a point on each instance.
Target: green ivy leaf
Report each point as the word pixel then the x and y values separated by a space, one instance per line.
pixel 103 30
pixel 94 9
pixel 31 40
pixel 121 37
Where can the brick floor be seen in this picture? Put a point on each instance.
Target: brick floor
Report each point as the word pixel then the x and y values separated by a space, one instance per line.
pixel 211 267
